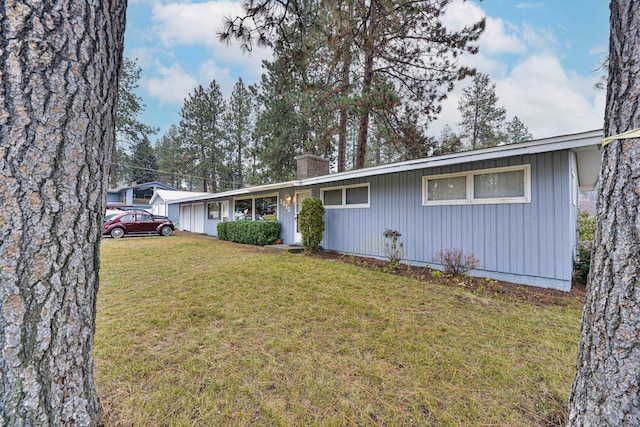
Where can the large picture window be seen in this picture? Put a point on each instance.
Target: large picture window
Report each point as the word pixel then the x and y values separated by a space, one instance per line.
pixel 351 196
pixel 263 208
pixel 499 185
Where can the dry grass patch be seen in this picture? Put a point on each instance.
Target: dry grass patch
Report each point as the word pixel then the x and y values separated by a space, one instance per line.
pixel 195 331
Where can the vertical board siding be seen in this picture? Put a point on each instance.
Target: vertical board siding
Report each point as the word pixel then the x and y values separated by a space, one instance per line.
pixel 529 239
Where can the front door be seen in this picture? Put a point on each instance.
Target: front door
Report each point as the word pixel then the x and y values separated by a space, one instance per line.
pixel 300 196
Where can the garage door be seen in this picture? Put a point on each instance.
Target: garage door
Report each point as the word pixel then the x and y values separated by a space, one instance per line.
pixel 185 217
pixel 198 218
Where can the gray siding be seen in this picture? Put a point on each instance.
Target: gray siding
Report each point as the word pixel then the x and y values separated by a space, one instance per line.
pixel 523 242
pixel 173 212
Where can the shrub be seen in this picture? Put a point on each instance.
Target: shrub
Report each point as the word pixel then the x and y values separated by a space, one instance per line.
pixel 222 231
pixel 455 262
pixel 392 249
pixel 250 232
pixel 582 265
pixel 586 230
pixel 311 223
pixel 586 235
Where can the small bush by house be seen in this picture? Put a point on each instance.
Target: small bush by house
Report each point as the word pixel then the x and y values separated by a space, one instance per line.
pixel 311 223
pixel 586 235
pixel 250 232
pixel 455 262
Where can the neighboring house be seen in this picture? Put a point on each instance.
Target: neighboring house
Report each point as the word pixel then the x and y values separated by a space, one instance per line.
pixel 137 195
pixel 160 202
pixel 514 206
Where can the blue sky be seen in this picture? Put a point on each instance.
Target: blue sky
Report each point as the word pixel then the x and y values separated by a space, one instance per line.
pixel 541 55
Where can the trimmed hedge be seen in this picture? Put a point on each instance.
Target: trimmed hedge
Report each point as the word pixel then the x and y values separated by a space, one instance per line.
pixel 250 232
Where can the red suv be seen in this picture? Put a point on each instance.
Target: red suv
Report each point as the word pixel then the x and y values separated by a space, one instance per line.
pixel 136 222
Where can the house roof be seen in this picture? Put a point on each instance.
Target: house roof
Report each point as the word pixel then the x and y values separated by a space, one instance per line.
pixel 171 195
pixel 585 144
pixel 143 186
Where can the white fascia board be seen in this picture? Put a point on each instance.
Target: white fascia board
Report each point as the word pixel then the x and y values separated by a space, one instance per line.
pixel 573 141
pixel 191 198
pixel 238 192
pixel 556 143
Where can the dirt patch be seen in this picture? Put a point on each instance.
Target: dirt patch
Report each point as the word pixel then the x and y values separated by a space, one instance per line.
pixel 495 288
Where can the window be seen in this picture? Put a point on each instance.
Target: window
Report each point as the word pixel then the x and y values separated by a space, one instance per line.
pixel 357 195
pixel 267 208
pixel 243 209
pixel 263 208
pixel 448 188
pixel 332 197
pixel 352 196
pixel 218 211
pixel 498 185
pixel 213 211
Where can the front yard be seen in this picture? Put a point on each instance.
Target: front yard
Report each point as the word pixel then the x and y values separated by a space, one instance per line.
pixel 193 331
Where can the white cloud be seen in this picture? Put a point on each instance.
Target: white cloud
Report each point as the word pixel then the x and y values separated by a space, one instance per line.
pixel 169 85
pixel 198 24
pixel 549 100
pixel 192 24
pixel 539 39
pixel 180 25
pixel 497 38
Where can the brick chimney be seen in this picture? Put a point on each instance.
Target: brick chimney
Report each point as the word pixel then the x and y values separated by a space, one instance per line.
pixel 310 166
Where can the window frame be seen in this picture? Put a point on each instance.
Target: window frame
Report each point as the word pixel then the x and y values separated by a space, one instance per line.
pixel 344 204
pixel 470 199
pixel 232 207
pixel 221 210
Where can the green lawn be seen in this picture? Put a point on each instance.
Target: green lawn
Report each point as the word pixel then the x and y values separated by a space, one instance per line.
pixel 193 331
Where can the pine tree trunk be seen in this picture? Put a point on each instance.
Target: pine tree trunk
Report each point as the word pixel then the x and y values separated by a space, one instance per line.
pixel 606 389
pixel 367 82
pixel 342 126
pixel 59 64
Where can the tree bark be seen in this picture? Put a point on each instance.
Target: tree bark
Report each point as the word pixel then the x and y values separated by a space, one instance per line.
pixel 367 83
pixel 605 391
pixel 59 64
pixel 343 113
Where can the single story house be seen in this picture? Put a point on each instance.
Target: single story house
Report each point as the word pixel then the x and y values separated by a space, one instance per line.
pixel 160 202
pixel 514 206
pixel 137 195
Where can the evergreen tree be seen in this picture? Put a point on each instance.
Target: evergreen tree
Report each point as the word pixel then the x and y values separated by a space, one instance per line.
pixel 238 129
pixel 200 130
pixel 516 131
pixel 399 135
pixel 482 118
pixel 171 157
pixel 143 163
pixel 447 143
pixel 121 167
pixel 278 135
pixel 399 52
pixel 129 129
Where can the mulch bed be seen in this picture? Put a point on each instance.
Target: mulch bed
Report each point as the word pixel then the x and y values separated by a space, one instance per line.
pixel 505 290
